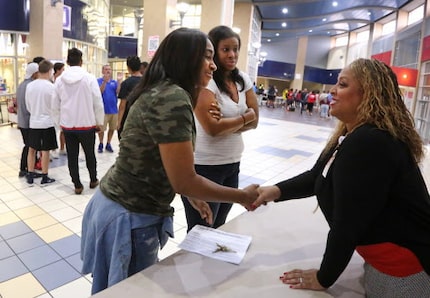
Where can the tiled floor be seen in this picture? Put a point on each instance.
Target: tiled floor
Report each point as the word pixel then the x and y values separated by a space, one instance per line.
pixel 40 227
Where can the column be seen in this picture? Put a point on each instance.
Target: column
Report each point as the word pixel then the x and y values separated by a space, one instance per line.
pixel 243 17
pixel 297 82
pixel 215 13
pixel 156 18
pixel 46 29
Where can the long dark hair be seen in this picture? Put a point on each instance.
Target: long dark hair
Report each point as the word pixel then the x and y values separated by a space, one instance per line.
pixel 179 59
pixel 216 35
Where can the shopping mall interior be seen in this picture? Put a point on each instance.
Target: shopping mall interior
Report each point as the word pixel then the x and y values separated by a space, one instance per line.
pixel 290 44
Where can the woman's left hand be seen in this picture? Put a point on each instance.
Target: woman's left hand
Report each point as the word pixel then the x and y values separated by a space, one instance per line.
pixel 203 208
pixel 215 111
pixel 302 279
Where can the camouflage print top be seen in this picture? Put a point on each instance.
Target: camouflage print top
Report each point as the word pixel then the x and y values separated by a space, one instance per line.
pixel 137 180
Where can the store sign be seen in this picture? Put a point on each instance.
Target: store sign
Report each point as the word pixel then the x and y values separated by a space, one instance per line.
pixel 67 18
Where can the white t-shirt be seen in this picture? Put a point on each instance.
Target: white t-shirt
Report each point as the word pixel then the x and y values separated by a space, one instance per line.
pixel 38 100
pixel 225 149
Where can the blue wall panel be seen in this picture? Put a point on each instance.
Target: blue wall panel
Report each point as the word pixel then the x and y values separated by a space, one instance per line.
pixel 15 15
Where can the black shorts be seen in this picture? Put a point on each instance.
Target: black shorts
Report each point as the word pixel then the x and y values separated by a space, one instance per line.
pixel 43 139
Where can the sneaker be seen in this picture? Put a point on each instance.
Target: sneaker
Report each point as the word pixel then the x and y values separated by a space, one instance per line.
pixel 109 147
pixel 53 155
pixel 100 150
pixel 30 179
pixel 95 183
pixel 22 174
pixel 46 180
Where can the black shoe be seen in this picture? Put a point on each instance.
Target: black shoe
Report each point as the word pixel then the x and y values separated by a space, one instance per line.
pixel 46 180
pixel 29 178
pixel 22 174
pixel 94 184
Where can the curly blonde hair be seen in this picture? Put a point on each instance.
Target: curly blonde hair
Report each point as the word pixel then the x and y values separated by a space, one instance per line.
pixel 382 106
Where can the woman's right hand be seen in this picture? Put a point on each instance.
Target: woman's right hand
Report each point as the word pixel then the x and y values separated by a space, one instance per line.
pixel 266 194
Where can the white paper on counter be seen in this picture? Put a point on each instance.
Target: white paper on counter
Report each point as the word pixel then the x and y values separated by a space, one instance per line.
pixel 203 240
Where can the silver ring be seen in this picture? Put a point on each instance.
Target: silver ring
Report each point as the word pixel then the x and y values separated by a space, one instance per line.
pixel 301 279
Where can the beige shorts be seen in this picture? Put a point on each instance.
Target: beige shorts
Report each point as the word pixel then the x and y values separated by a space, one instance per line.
pixel 111 120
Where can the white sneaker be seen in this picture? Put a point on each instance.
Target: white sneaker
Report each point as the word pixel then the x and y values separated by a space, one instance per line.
pixel 53 154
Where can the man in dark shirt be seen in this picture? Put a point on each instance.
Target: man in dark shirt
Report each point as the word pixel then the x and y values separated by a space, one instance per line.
pixel 133 65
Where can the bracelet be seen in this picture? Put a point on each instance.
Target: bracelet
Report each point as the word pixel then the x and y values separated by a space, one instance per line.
pixel 244 120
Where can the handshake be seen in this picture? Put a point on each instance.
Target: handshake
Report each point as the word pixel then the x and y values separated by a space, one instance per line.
pixel 251 197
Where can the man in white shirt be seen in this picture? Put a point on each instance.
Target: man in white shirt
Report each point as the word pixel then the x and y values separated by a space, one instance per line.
pixel 42 136
pixel 78 108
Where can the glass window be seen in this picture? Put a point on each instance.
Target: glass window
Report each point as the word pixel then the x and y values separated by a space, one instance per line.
pixel 341 41
pixel 363 36
pixel 416 15
pixel 389 28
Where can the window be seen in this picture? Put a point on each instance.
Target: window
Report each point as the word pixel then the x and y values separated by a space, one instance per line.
pixel 341 41
pixel 389 28
pixel 416 15
pixel 363 36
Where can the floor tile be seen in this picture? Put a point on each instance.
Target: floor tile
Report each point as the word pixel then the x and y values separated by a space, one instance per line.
pixel 29 212
pixel 39 257
pixel 77 288
pixel 24 286
pixel 67 246
pixel 75 261
pixel 11 267
pixel 25 242
pixel 13 230
pixel 56 275
pixel 40 221
pixel 53 233
pixel 7 218
pixel 5 251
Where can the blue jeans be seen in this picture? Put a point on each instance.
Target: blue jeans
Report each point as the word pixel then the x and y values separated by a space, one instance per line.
pixel 226 175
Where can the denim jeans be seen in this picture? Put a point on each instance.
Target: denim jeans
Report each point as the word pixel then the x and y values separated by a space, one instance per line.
pixel 226 175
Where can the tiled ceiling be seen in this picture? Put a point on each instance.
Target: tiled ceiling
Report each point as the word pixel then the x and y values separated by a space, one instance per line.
pixel 308 17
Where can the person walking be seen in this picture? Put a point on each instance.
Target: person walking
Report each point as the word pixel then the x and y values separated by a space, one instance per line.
pixel 77 90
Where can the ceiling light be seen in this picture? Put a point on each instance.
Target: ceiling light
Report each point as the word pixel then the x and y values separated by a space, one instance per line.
pixel 324 19
pixel 269 40
pixel 277 34
pixel 334 3
pixel 310 30
pixel 284 24
pixel 284 10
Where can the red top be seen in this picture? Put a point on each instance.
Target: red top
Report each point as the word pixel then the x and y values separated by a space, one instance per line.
pixel 390 258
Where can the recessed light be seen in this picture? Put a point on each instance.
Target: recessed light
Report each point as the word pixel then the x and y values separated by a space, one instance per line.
pixel 277 34
pixel 324 20
pixel 310 30
pixel 284 24
pixel 284 10
pixel 334 3
pixel 269 40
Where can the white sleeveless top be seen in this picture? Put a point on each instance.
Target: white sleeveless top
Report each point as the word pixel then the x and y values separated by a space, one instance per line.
pixel 225 149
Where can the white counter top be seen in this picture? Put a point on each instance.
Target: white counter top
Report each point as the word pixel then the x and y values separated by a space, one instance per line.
pixel 284 236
